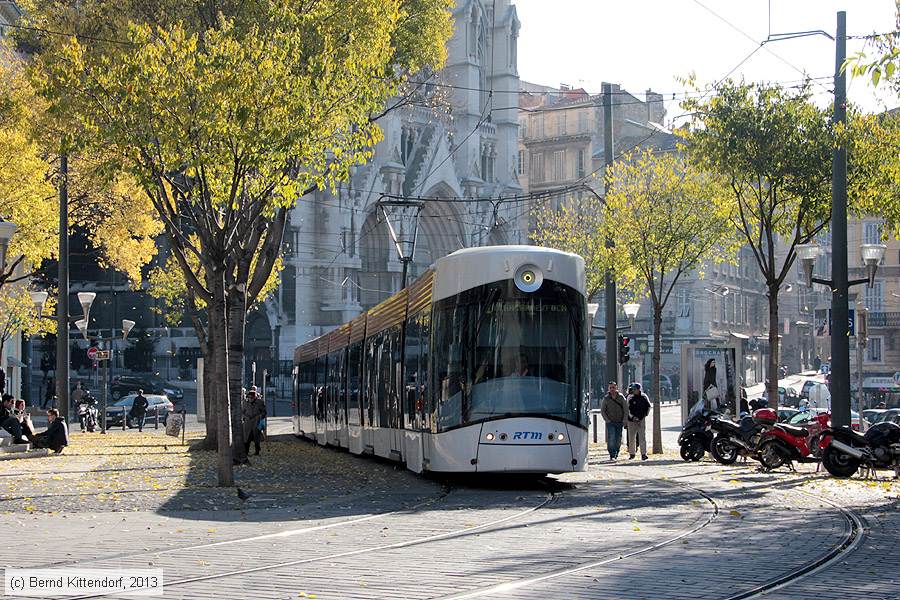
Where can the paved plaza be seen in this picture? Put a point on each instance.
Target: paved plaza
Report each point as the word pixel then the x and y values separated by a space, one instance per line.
pixel 320 523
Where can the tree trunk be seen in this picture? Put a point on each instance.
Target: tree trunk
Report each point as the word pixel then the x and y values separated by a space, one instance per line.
pixel 218 322
pixel 654 382
pixel 773 374
pixel 237 316
pixel 209 402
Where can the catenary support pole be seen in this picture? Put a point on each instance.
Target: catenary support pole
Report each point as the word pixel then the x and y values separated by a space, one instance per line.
pixel 62 302
pixel 840 342
pixel 612 358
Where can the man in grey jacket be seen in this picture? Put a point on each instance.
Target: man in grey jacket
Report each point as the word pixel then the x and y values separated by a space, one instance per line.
pixel 614 409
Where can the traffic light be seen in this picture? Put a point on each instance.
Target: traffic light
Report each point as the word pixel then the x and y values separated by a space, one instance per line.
pixel 624 349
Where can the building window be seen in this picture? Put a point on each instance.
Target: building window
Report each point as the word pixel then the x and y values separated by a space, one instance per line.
pixel 537 167
pixel 561 123
pixel 582 121
pixel 523 129
pixel 579 164
pixel 872 232
pixel 875 297
pixel 539 125
pixel 521 167
pixel 683 302
pixel 873 350
pixel 559 165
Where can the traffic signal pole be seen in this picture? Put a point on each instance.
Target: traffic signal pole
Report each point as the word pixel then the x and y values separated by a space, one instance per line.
pixel 612 362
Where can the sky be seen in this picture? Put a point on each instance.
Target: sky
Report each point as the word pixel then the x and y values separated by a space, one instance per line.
pixel 644 44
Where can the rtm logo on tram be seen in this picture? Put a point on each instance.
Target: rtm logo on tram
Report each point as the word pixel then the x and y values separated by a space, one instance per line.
pixel 527 435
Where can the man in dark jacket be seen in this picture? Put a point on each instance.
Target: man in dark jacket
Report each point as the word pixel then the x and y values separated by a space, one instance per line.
pixel 57 435
pixel 614 410
pixel 251 414
pixel 138 410
pixel 638 409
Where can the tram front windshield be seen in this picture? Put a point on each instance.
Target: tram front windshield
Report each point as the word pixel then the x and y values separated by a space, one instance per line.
pixel 503 352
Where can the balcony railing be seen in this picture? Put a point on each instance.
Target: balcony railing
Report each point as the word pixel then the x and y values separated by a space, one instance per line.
pixel 884 319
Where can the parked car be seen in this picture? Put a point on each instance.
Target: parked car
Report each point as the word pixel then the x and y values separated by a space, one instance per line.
pixel 807 385
pixel 890 415
pixel 871 414
pixel 157 402
pixel 665 386
pixel 809 414
pixel 128 384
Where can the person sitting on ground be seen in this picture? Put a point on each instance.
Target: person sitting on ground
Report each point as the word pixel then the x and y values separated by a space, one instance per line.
pixel 9 421
pixel 24 420
pixel 57 435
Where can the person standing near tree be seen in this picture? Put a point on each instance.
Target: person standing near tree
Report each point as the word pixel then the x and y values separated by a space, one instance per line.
pixel 614 410
pixel 252 413
pixel 638 409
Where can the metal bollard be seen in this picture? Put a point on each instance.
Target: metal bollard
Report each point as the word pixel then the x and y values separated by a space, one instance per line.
pixel 156 411
pixel 124 419
pixel 594 417
pixel 183 424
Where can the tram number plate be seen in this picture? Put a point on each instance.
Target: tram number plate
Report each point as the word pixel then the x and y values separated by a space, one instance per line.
pixel 527 435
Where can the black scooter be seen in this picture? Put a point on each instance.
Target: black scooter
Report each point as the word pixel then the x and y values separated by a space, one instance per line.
pixel 737 439
pixel 697 435
pixel 845 450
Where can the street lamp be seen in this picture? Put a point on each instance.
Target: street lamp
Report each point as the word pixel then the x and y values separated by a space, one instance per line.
pixel 127 326
pixel 807 254
pixel 872 255
pixel 38 299
pixel 7 230
pixel 631 310
pixel 402 219
pixel 86 299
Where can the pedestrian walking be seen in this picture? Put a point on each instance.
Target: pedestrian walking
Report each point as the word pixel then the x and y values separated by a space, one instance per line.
pixel 49 394
pixel 138 410
pixel 638 409
pixel 76 396
pixel 614 410
pixel 253 412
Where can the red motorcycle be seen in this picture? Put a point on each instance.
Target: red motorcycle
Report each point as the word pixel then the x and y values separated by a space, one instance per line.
pixel 792 443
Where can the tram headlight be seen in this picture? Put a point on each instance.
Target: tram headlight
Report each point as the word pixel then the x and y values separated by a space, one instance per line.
pixel 560 437
pixel 489 437
pixel 529 278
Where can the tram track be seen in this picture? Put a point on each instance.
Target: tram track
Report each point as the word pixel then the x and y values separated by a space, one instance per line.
pixel 283 534
pixel 854 535
pixel 551 497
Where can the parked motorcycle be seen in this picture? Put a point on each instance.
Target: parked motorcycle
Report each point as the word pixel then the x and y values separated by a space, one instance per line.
pixel 697 435
pixel 87 412
pixel 785 443
pixel 742 438
pixel 845 450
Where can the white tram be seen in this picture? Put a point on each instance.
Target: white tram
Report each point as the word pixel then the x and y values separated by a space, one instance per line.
pixel 478 366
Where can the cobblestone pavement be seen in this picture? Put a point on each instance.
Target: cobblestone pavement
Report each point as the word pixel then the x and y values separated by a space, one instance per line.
pixel 358 528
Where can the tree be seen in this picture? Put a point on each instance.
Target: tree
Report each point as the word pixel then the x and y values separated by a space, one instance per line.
pixel 226 113
pixel 17 314
pixel 178 302
pixel 666 218
pixel 576 225
pixel 883 64
pixel 26 196
pixel 773 148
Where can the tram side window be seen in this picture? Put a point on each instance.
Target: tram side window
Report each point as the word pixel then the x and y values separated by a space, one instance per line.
pixel 319 398
pixel 448 365
pixel 425 403
pixel 307 387
pixel 353 383
pixel 385 368
pixel 411 391
pixel 371 375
